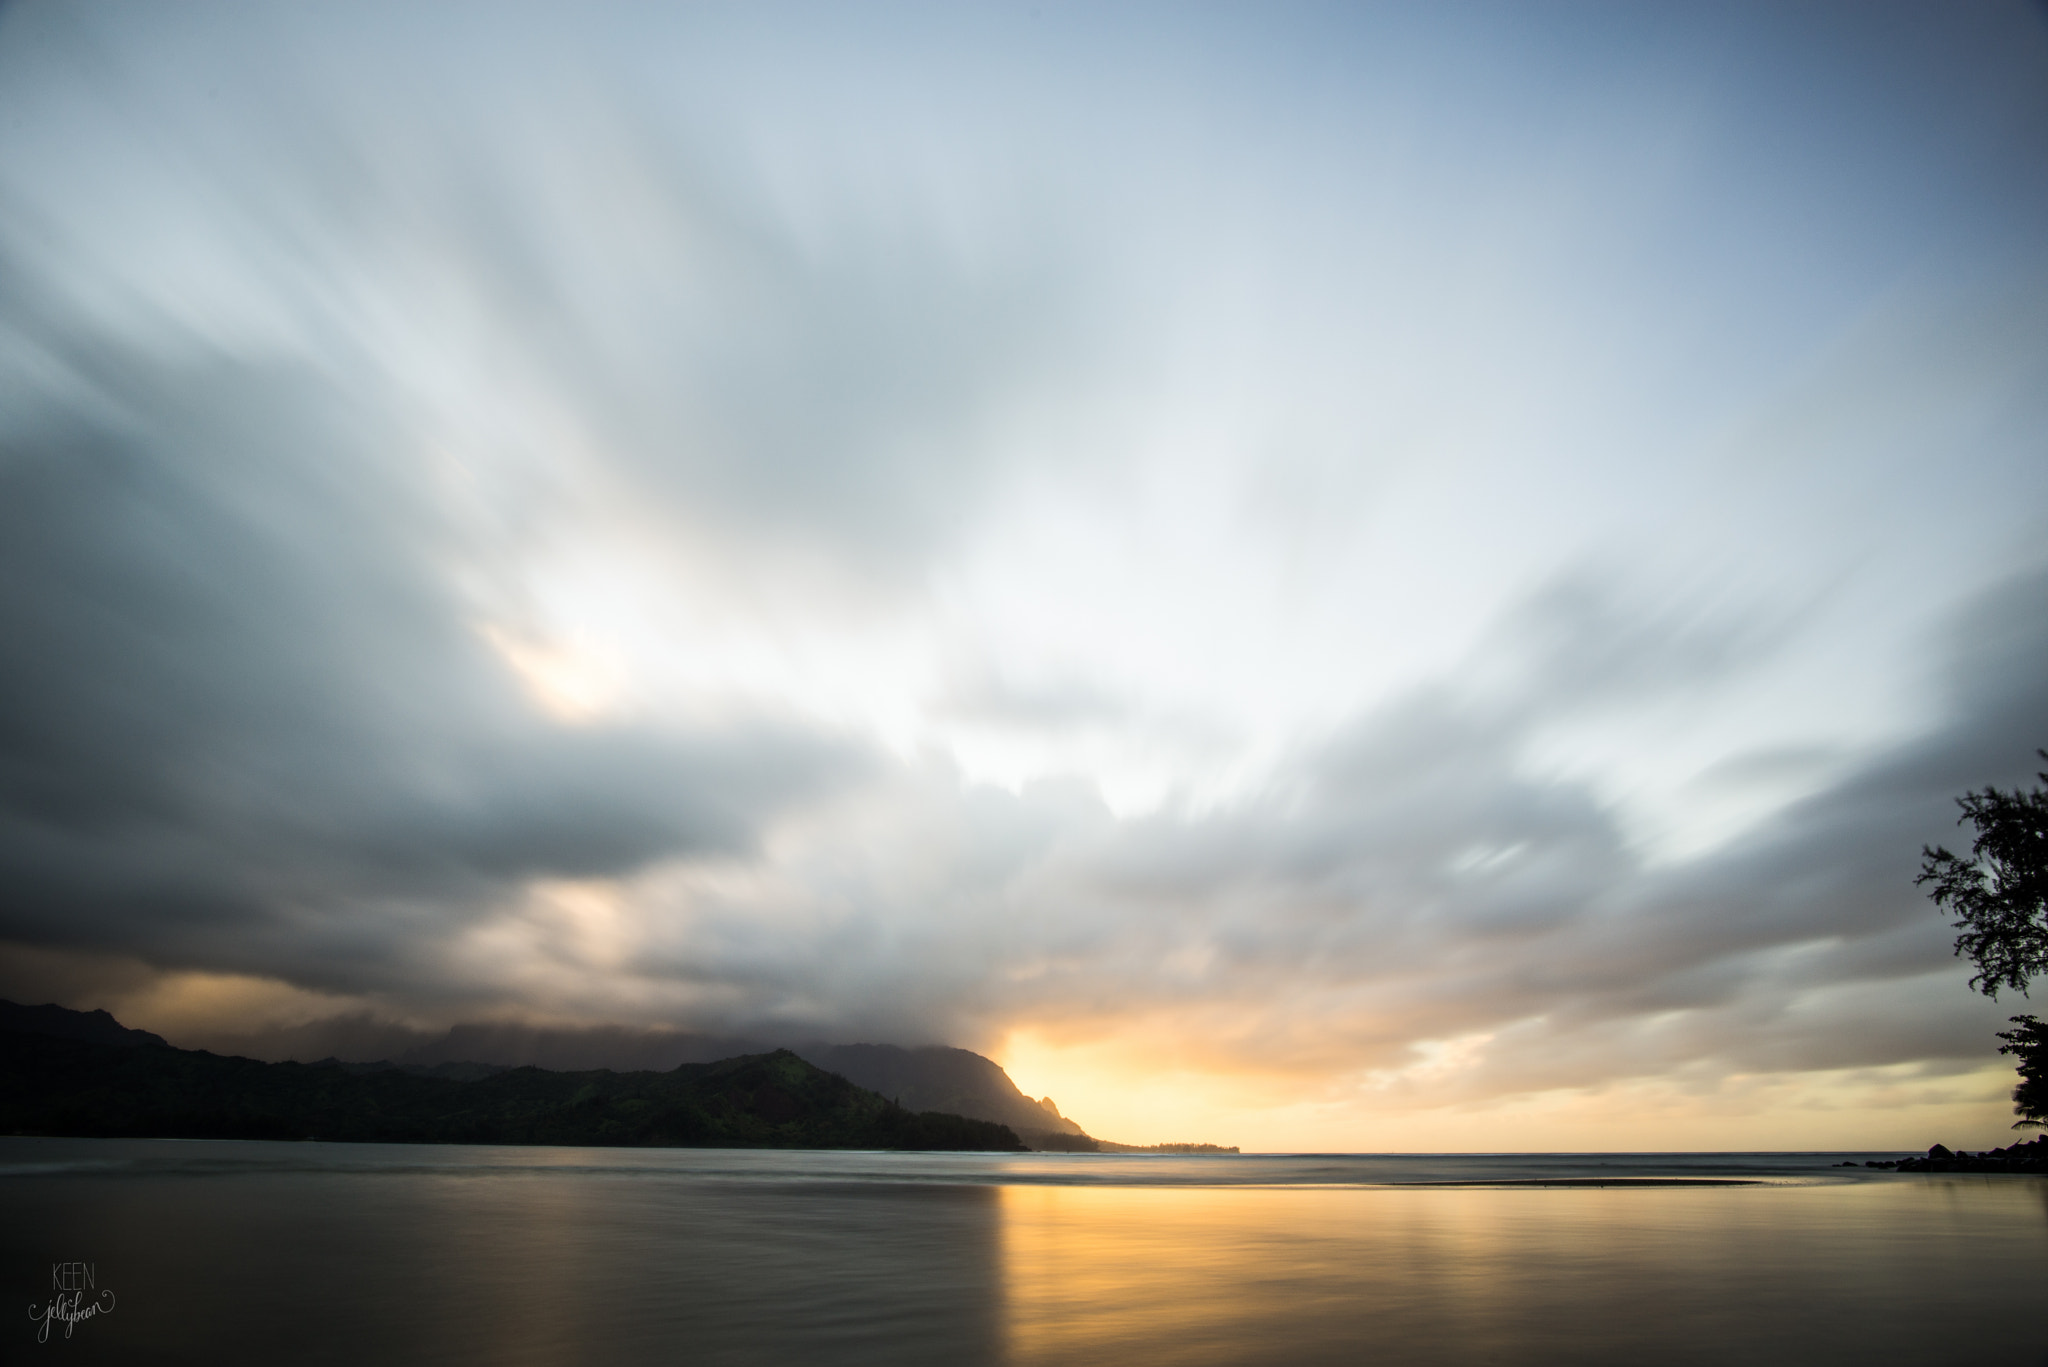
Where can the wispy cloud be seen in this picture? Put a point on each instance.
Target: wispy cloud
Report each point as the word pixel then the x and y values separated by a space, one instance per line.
pixel 1407 560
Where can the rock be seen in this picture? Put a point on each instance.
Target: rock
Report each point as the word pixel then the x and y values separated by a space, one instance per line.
pixel 1940 1151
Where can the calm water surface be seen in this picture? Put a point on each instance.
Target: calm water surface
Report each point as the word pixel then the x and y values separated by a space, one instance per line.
pixel 318 1253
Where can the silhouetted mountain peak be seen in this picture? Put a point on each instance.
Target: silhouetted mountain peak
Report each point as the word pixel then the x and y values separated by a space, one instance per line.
pixel 938 1078
pixel 59 1022
pixel 69 1086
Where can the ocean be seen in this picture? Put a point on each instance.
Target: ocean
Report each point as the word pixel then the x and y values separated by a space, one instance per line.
pixel 217 1252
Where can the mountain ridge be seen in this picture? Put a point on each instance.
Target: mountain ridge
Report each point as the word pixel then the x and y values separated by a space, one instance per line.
pixel 55 1085
pixel 942 1078
pixel 61 1022
pixel 921 1078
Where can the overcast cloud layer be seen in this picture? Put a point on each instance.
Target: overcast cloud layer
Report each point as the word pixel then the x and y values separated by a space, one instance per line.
pixel 1370 562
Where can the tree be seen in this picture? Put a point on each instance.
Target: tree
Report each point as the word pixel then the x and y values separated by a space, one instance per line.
pixel 2030 1042
pixel 2000 898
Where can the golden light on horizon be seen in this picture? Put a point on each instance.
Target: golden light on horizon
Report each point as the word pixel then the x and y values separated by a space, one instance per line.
pixel 1114 1088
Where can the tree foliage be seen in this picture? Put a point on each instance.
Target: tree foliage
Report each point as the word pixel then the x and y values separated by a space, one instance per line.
pixel 1999 896
pixel 2000 893
pixel 2030 1041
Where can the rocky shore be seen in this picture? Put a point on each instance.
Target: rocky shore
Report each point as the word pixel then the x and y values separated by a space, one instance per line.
pixel 2017 1158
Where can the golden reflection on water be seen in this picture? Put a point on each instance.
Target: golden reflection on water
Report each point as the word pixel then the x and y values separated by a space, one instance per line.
pixel 227 1253
pixel 1306 1275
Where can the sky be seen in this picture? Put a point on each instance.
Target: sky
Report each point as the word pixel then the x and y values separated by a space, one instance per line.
pixel 1338 577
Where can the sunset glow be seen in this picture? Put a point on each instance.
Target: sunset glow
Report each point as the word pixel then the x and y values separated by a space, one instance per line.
pixel 1362 578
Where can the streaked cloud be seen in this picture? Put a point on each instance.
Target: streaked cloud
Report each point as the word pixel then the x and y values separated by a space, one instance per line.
pixel 1375 564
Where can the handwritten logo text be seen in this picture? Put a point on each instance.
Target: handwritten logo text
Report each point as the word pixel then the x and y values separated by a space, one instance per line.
pixel 72 1282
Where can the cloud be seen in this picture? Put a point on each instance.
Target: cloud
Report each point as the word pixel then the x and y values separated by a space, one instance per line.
pixel 246 719
pixel 1388 584
pixel 287 690
pixel 1409 881
pixel 250 729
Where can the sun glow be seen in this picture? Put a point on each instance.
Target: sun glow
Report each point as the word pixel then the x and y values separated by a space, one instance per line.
pixel 1114 1089
pixel 576 682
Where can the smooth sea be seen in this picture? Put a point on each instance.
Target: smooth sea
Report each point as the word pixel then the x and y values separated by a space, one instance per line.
pixel 232 1252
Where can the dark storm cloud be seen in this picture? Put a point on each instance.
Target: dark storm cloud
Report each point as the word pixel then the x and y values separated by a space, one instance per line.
pixel 248 720
pixel 243 718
